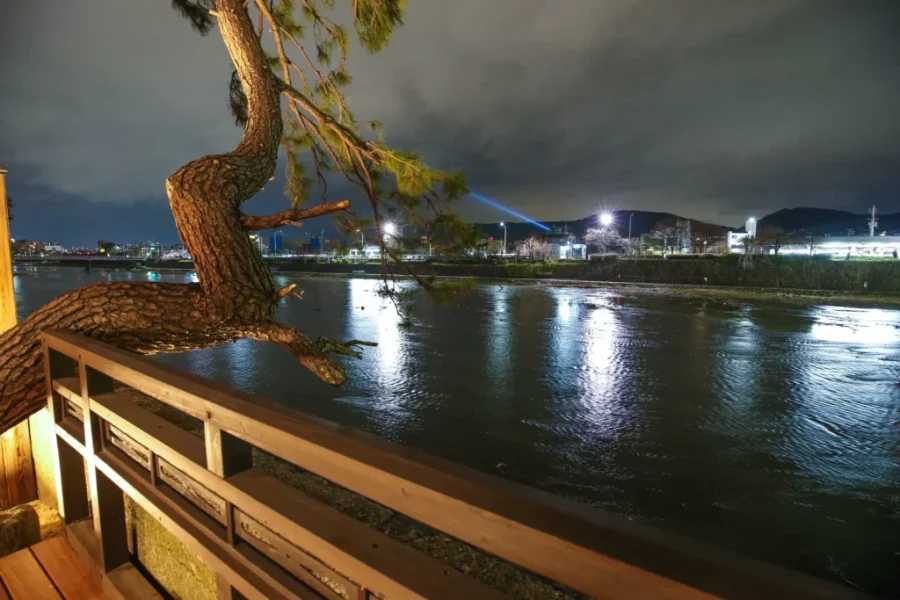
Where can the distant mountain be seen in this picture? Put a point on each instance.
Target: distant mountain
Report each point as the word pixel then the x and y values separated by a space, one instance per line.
pixel 823 221
pixel 642 222
pixel 820 221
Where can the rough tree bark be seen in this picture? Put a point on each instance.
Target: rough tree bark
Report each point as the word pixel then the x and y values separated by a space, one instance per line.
pixel 236 297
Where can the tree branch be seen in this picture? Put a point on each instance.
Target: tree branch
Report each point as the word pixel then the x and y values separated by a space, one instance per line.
pixel 141 317
pixel 292 216
pixel 297 343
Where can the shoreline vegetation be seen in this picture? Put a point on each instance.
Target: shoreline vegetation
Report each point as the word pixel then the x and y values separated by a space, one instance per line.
pixel 792 280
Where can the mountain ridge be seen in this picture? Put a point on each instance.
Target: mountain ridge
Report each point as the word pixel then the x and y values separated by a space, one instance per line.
pixel 817 221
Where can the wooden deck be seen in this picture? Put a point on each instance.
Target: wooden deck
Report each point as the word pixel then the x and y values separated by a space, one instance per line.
pixel 49 570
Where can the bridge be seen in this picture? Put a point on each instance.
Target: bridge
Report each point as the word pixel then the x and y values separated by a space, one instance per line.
pixel 75 258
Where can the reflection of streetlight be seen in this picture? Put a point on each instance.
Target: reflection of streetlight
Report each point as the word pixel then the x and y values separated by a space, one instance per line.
pixel 503 225
pixel 606 219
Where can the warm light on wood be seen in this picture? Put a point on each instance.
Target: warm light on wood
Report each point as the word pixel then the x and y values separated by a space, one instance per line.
pixel 17 483
pixel 7 291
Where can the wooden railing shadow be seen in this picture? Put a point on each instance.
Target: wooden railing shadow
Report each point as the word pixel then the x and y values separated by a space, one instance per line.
pixel 266 539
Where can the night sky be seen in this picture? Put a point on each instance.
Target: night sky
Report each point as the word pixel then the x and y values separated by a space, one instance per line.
pixel 714 109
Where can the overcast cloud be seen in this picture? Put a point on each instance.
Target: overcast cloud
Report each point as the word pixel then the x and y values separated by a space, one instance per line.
pixel 709 108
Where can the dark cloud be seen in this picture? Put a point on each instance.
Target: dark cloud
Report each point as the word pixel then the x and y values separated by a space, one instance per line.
pixel 710 108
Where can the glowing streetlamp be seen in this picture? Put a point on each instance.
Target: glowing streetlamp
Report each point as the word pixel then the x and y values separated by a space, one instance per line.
pixel 389 230
pixel 606 219
pixel 503 225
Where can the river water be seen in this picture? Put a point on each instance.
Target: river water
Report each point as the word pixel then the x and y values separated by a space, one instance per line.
pixel 772 429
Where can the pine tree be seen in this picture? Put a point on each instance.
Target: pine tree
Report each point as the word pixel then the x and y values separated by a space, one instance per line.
pixel 236 295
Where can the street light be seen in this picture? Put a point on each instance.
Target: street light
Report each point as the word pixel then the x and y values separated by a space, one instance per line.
pixel 389 230
pixel 359 231
pixel 630 249
pixel 606 219
pixel 503 225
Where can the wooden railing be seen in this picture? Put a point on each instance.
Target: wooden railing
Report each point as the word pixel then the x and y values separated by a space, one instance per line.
pixel 266 539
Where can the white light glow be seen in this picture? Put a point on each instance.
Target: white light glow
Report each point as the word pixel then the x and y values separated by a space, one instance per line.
pixel 606 219
pixel 390 229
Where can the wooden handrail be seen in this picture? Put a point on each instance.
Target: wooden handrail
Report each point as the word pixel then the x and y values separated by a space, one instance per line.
pixel 229 512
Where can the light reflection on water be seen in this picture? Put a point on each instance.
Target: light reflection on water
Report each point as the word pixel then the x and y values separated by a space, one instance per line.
pixel 772 429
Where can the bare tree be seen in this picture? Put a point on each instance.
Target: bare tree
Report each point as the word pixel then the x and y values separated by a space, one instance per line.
pixel 773 237
pixel 666 230
pixel 535 248
pixel 813 242
pixel 236 295
pixel 749 244
pixel 683 234
pixel 605 239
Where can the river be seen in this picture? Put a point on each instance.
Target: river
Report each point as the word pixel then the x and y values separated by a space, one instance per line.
pixel 772 429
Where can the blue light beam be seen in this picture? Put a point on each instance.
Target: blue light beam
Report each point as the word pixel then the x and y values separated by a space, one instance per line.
pixel 507 210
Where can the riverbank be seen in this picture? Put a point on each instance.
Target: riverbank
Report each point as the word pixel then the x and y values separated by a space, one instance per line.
pixel 756 272
pixel 864 297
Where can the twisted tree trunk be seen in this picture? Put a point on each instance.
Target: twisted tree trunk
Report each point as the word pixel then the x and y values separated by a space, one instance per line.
pixel 236 297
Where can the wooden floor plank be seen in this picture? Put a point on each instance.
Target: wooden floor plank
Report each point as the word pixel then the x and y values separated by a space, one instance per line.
pixel 25 579
pixel 68 573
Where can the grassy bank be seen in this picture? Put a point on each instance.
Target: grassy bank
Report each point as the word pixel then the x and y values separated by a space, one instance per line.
pixel 762 277
pixel 763 272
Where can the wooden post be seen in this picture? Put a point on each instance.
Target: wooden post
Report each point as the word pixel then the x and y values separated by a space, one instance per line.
pixel 107 500
pixel 68 464
pixel 226 455
pixel 16 465
pixel 7 289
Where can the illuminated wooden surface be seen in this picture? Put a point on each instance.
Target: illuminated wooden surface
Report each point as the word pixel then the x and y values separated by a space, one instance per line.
pixel 17 483
pixel 7 291
pixel 49 570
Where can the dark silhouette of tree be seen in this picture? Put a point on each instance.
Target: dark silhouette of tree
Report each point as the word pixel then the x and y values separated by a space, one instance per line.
pixel 667 230
pixel 773 237
pixel 294 102
pixel 813 242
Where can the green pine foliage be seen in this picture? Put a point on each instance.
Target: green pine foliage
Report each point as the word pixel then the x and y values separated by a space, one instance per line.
pixel 375 21
pixel 322 138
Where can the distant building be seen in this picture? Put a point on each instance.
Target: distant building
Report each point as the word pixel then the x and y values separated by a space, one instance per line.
pixel 108 248
pixel 54 249
pixel 27 247
pixel 750 227
pixel 736 241
pixel 879 246
pixel 369 252
pixel 564 246
pixel 276 242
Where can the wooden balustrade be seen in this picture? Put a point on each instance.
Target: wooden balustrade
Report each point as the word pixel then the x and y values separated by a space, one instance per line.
pixel 266 539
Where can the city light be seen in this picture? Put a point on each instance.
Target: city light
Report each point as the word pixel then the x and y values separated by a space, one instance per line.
pixel 389 229
pixel 606 219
